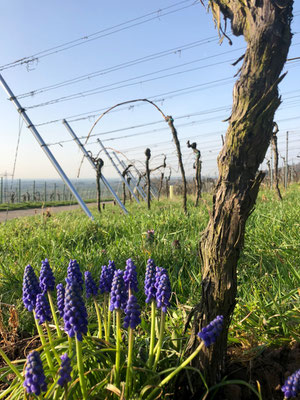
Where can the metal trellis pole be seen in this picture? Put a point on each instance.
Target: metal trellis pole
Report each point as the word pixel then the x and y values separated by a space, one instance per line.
pixel 118 171
pixel 80 145
pixel 139 189
pixel 44 147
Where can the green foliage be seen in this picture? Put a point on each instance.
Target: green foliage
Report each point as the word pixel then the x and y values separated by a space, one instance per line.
pixel 267 309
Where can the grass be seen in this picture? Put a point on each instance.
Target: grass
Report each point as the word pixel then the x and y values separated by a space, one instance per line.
pixel 267 309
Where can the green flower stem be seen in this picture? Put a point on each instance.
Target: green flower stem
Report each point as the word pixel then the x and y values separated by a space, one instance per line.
pixel 160 339
pixel 43 340
pixel 106 332
pixel 10 364
pixel 152 333
pixel 108 316
pixel 81 369
pixel 129 364
pixel 66 391
pixel 118 346
pixel 175 372
pixel 55 319
pixel 70 346
pixel 98 318
pixel 51 343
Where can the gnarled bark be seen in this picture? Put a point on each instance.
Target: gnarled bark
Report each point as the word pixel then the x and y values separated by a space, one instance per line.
pixel 265 25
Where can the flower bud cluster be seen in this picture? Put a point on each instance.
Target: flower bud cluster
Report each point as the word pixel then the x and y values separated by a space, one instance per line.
pixel 149 286
pixel 291 386
pixel 35 380
pixel 107 274
pixel 65 370
pixel 42 309
pixel 118 294
pixel 31 288
pixel 130 276
pixel 60 294
pixel 163 288
pixel 132 313
pixel 47 280
pixel 75 314
pixel 91 288
pixel 74 273
pixel 210 333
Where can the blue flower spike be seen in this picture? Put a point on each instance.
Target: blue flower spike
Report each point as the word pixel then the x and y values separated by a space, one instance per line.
pixel 42 309
pixel 210 333
pixel 107 274
pixel 47 280
pixel 65 370
pixel 163 289
pixel 291 386
pixel 60 294
pixel 118 295
pixel 149 285
pixel 132 313
pixel 35 380
pixel 91 288
pixel 74 273
pixel 75 314
pixel 31 288
pixel 130 276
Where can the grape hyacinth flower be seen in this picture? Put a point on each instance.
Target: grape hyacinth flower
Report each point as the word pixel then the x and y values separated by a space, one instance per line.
pixel 107 274
pixel 74 273
pixel 150 290
pixel 132 313
pixel 131 320
pixel 291 386
pixel 65 370
pixel 90 285
pixel 31 288
pixel 130 276
pixel 60 291
pixel 210 333
pixel 75 314
pixel 118 297
pixel 42 309
pixel 214 329
pixel 47 280
pixel 163 294
pixel 163 289
pixel 35 380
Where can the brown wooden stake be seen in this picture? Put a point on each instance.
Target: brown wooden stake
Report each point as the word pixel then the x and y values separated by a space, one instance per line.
pixel 275 152
pixel 170 122
pixel 198 164
pixel 148 155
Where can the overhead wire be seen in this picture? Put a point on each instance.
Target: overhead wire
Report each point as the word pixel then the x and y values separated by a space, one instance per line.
pixel 174 50
pixel 96 35
pixel 108 88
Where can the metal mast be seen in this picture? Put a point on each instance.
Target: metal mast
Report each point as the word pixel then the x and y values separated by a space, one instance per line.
pixel 44 147
pixel 86 154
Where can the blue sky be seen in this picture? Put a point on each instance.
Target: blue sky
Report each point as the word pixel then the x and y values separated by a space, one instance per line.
pixel 191 79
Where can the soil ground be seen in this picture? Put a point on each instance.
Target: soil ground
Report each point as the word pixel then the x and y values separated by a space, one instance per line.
pixel 7 215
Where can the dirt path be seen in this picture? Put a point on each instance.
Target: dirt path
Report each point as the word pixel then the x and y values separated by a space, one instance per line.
pixel 6 215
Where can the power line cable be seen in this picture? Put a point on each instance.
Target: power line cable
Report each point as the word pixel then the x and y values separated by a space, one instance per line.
pixel 174 50
pixel 108 88
pixel 97 35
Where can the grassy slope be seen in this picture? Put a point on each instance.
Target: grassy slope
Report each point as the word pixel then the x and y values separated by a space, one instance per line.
pixel 268 304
